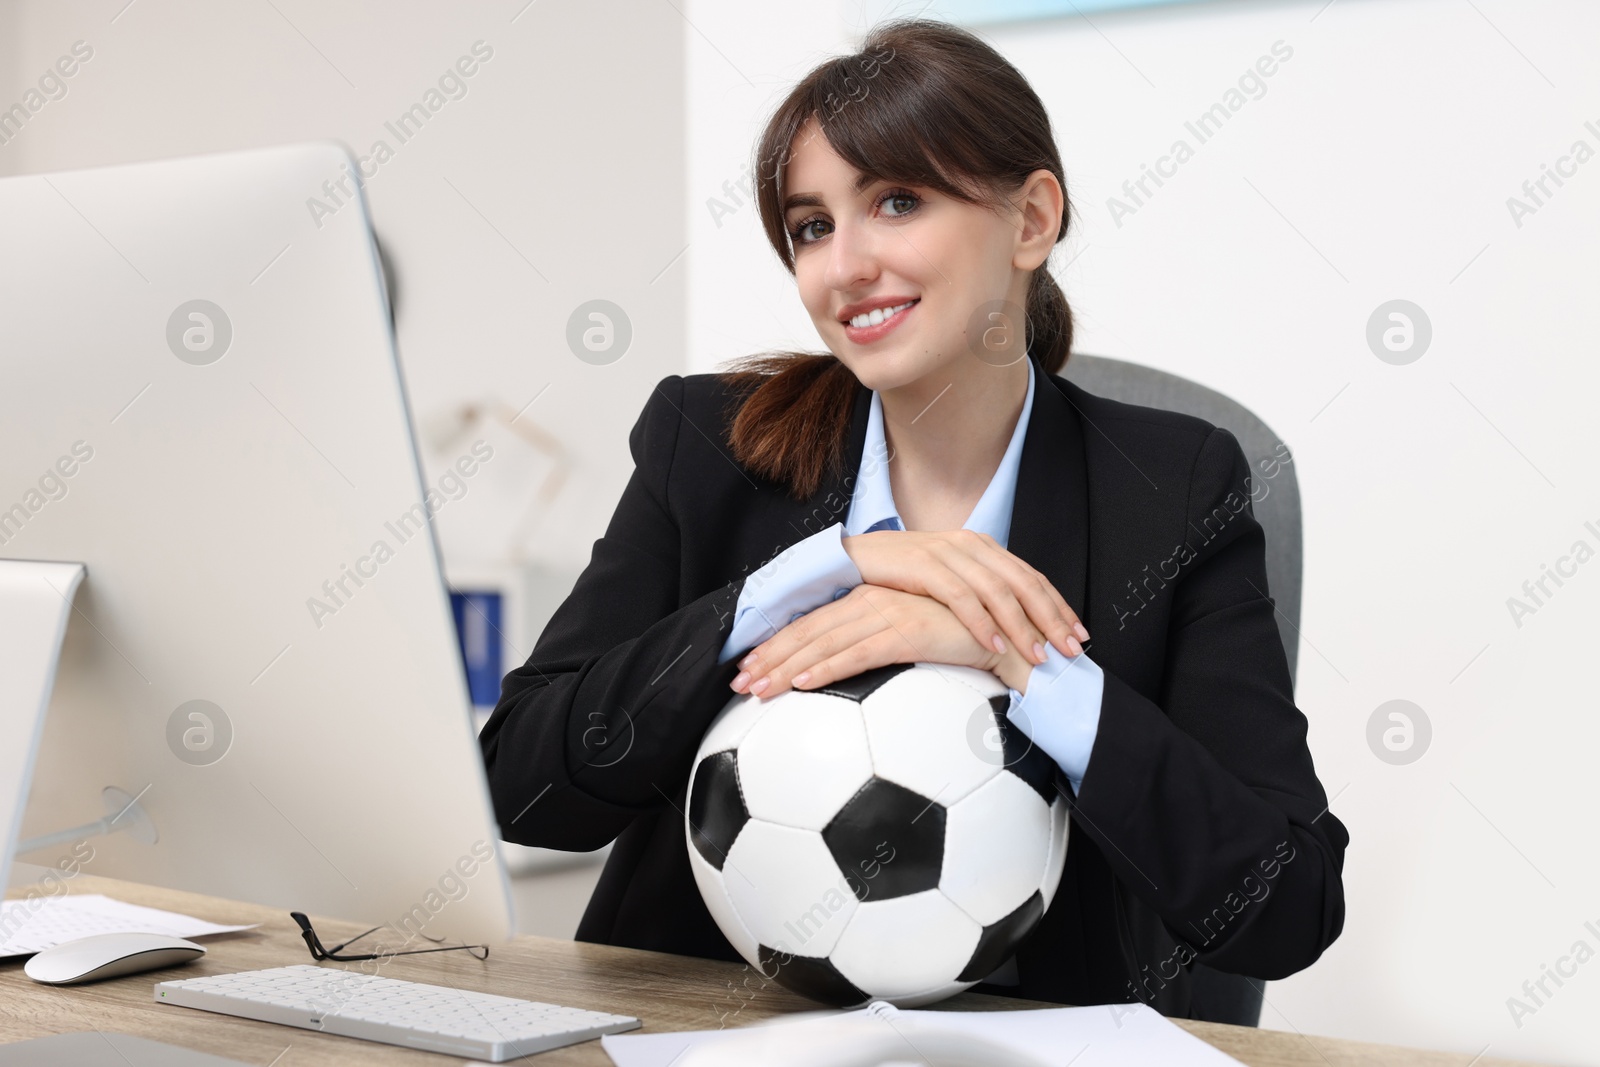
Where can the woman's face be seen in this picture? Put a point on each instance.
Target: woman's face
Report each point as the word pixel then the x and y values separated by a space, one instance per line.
pixel 890 244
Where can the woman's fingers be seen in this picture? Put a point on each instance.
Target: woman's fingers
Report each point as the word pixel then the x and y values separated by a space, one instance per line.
pixel 819 651
pixel 1051 591
pixel 874 627
pixel 997 596
pixel 1015 595
pixel 1044 604
pixel 984 602
pixel 928 564
pixel 938 566
pixel 782 646
pixel 872 649
pixel 1070 617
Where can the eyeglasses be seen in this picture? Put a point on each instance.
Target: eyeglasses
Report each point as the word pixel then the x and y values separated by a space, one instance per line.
pixel 321 952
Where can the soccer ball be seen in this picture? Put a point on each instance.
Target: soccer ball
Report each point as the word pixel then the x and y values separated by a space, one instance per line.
pixel 890 836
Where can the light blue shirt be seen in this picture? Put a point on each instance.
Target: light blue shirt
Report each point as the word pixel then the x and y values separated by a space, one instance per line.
pixel 1061 709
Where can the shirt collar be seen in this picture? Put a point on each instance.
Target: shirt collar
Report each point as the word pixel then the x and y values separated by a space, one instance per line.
pixel 873 501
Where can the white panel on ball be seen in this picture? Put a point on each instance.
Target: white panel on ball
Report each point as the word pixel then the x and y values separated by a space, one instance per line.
pixel 803 759
pixel 921 727
pixel 712 889
pixel 786 887
pixel 996 848
pixel 732 724
pixel 894 947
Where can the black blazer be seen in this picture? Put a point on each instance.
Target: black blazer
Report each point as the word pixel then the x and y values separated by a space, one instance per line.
pixel 1200 831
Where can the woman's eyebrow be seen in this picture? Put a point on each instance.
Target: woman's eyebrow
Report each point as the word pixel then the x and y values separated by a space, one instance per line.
pixel 815 200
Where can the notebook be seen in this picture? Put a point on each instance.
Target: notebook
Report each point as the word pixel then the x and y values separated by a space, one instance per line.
pixel 1124 1035
pixel 34 924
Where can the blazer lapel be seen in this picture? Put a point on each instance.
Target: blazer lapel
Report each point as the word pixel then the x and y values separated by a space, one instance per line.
pixel 1050 517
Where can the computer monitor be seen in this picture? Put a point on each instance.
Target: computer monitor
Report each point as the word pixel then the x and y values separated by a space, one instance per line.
pixel 200 401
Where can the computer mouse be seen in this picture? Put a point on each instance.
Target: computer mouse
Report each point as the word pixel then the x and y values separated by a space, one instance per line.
pixel 89 959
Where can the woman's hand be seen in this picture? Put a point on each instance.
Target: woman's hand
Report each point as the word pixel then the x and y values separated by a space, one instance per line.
pixel 871 627
pixel 990 590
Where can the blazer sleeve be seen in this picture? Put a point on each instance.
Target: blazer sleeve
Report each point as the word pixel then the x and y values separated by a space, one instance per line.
pixel 808 574
pixel 1205 801
pixel 603 720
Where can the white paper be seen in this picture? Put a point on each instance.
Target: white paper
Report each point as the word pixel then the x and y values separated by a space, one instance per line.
pixel 29 926
pixel 1123 1035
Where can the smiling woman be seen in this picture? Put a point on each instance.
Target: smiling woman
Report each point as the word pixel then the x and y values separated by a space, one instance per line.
pixel 858 194
pixel 930 490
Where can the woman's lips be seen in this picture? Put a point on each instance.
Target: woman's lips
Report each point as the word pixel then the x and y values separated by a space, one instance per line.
pixel 865 335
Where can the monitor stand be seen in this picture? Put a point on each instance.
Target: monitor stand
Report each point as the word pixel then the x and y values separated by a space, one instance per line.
pixel 35 604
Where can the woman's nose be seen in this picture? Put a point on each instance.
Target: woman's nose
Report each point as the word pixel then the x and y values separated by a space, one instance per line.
pixel 852 258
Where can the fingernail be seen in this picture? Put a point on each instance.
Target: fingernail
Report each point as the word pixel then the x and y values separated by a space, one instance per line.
pixel 1083 635
pixel 761 686
pixel 999 644
pixel 751 658
pixel 1072 643
pixel 1038 651
pixel 740 679
pixel 801 678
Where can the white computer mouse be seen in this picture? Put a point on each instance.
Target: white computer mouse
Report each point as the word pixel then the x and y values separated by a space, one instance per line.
pixel 89 959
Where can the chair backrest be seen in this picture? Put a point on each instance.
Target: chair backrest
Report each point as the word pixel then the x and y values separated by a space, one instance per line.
pixel 1218 996
pixel 1278 511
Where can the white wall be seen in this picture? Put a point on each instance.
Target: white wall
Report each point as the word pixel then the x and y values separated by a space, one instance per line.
pixel 1375 166
pixel 568 142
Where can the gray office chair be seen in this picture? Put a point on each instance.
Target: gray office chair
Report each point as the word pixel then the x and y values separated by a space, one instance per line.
pixel 1221 997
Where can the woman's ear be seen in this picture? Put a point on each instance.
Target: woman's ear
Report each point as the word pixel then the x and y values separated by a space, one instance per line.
pixel 1039 204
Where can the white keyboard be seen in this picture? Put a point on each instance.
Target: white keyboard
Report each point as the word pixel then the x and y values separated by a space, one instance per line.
pixel 433 1018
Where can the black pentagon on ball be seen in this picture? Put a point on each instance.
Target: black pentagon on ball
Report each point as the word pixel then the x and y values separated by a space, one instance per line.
pixel 811 977
pixel 716 807
pixel 888 840
pixel 1000 939
pixel 860 686
pixel 1021 756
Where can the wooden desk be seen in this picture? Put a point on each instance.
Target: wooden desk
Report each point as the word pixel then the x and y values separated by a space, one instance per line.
pixel 666 992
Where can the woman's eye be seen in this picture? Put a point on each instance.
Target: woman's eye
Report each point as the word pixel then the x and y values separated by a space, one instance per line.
pixel 894 196
pixel 799 233
pixel 803 234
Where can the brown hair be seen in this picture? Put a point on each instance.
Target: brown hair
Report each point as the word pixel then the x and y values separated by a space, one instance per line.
pixel 924 103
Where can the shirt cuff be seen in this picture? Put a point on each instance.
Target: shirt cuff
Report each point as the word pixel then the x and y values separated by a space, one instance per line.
pixel 808 574
pixel 1061 710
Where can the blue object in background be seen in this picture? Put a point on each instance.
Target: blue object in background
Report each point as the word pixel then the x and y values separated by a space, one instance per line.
pixel 478 615
pixel 978 12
